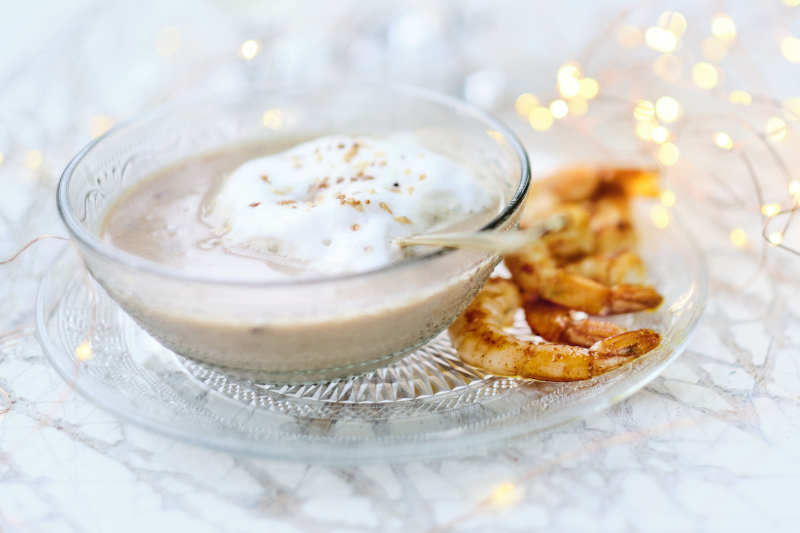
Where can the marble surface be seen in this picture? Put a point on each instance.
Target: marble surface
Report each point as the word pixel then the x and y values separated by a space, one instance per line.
pixel 713 444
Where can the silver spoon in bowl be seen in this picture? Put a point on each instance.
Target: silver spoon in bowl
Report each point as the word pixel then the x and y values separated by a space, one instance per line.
pixel 485 241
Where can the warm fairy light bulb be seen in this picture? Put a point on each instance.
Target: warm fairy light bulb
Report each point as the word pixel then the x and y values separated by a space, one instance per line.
pixel 84 351
pixel 644 130
pixel 660 216
pixel 738 237
pixel 705 75
pixel 249 49
pixel 660 134
pixel 525 104
pixel 790 48
pixel 740 97
pixel 629 37
pixel 714 49
pixel 559 108
pixel 776 129
pixel 99 125
pixel 723 28
pixel 578 107
pixel 792 3
pixel 673 21
pixel 569 87
pixel 724 141
pixel 644 110
pixel 775 238
pixel 668 154
pixel 168 40
pixel 659 39
pixel 272 119
pixel 32 159
pixel 794 188
pixel 568 71
pixel 588 88
pixel 770 210
pixel 668 109
pixel 667 198
pixel 541 119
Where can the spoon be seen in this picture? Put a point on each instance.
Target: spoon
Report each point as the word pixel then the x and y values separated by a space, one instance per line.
pixel 485 241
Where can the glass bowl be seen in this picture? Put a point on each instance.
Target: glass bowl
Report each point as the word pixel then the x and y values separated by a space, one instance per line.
pixel 425 406
pixel 272 329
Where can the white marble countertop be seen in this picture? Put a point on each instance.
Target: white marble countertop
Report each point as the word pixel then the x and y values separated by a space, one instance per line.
pixel 713 444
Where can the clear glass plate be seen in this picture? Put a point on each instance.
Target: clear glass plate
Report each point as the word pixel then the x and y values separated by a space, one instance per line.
pixel 427 405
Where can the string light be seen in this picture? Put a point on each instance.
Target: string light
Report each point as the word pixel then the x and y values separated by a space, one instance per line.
pixel 705 75
pixel 644 110
pixel 578 107
pixel 790 48
pixel 673 21
pixel 776 129
pixel 775 238
pixel 740 97
pixel 32 159
pixel 629 37
pixel 84 351
pixel 668 154
pixel 668 109
pixel 738 237
pixel 770 210
pixel 588 88
pixel 525 104
pixel 724 141
pixel 660 134
pixel 569 87
pixel 660 39
pixel 794 188
pixel 644 130
pixel 568 71
pixel 660 216
pixel 272 119
pixel 541 119
pixel 99 124
pixel 168 40
pixel 249 49
pixel 559 108
pixel 667 198
pixel 723 28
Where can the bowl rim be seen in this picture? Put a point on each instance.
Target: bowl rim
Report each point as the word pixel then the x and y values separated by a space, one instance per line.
pixel 88 239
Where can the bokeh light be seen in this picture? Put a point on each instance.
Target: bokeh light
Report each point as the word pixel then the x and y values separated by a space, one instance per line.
pixel 644 130
pixel 723 28
pixel 660 134
pixel 705 75
pixel 559 108
pixel 525 104
pixel 32 159
pixel 775 238
pixel 541 119
pixel 791 109
pixel 568 71
pixel 667 198
pixel 644 110
pixel 588 88
pixel 714 49
pixel 794 188
pixel 673 21
pixel 668 109
pixel 569 87
pixel 83 351
pixel 578 107
pixel 775 129
pixel 668 67
pixel 790 48
pixel 249 49
pixel 660 216
pixel 272 119
pixel 770 210
pixel 739 97
pixel 661 40
pixel 724 141
pixel 738 237
pixel 668 154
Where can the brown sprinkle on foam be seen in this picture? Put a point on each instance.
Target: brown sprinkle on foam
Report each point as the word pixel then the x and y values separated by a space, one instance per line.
pixel 367 202
pixel 287 202
pixel 351 153
pixel 355 227
pixel 385 207
pixel 402 220
pixel 422 177
pixel 410 189
pixel 355 203
pixel 339 180
pixel 255 204
pixel 282 192
pixel 264 177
